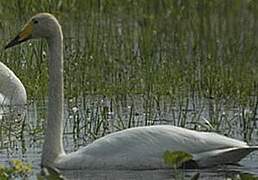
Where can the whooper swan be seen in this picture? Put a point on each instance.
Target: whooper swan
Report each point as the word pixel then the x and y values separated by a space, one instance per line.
pixel 135 148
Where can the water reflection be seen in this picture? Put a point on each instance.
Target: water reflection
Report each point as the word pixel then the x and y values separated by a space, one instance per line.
pixel 246 170
pixel 125 175
pixel 158 174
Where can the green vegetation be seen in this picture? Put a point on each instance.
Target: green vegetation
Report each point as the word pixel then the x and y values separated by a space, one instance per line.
pixel 175 159
pixel 17 169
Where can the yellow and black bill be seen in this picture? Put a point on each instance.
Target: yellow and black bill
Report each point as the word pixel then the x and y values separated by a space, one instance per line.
pixel 24 35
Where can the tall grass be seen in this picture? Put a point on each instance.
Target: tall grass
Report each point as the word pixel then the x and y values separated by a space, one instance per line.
pixel 165 48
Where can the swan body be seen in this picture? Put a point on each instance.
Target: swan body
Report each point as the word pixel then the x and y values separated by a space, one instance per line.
pixel 135 148
pixel 12 92
pixel 143 148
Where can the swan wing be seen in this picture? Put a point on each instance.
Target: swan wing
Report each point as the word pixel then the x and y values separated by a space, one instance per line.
pixel 220 156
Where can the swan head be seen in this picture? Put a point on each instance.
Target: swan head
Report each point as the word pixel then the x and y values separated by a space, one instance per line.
pixel 42 25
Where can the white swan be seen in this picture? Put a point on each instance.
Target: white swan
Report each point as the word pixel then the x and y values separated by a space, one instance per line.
pixel 12 93
pixel 135 148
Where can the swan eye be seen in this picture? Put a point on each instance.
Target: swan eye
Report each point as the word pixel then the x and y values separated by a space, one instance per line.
pixel 35 21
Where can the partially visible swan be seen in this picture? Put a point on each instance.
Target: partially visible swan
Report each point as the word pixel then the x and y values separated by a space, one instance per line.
pixel 12 93
pixel 135 148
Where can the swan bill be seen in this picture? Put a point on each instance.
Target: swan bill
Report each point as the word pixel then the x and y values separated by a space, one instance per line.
pixel 24 35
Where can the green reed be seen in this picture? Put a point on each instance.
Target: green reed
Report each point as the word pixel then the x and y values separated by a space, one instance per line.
pixel 168 47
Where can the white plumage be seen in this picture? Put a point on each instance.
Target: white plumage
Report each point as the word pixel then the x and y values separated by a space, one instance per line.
pixel 12 92
pixel 143 148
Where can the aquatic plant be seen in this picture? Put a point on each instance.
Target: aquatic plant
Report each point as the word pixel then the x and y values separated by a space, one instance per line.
pixel 17 169
pixel 177 159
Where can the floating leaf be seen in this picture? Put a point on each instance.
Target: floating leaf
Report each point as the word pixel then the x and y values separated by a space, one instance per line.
pixel 17 169
pixel 3 174
pixel 176 159
pixel 20 168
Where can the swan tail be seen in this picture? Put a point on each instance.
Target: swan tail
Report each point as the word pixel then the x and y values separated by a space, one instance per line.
pixel 223 156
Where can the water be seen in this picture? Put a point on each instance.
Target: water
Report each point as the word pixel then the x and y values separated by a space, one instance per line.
pixel 223 173
pixel 80 129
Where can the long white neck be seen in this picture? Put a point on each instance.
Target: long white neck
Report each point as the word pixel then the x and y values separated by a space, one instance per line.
pixel 12 91
pixel 53 144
